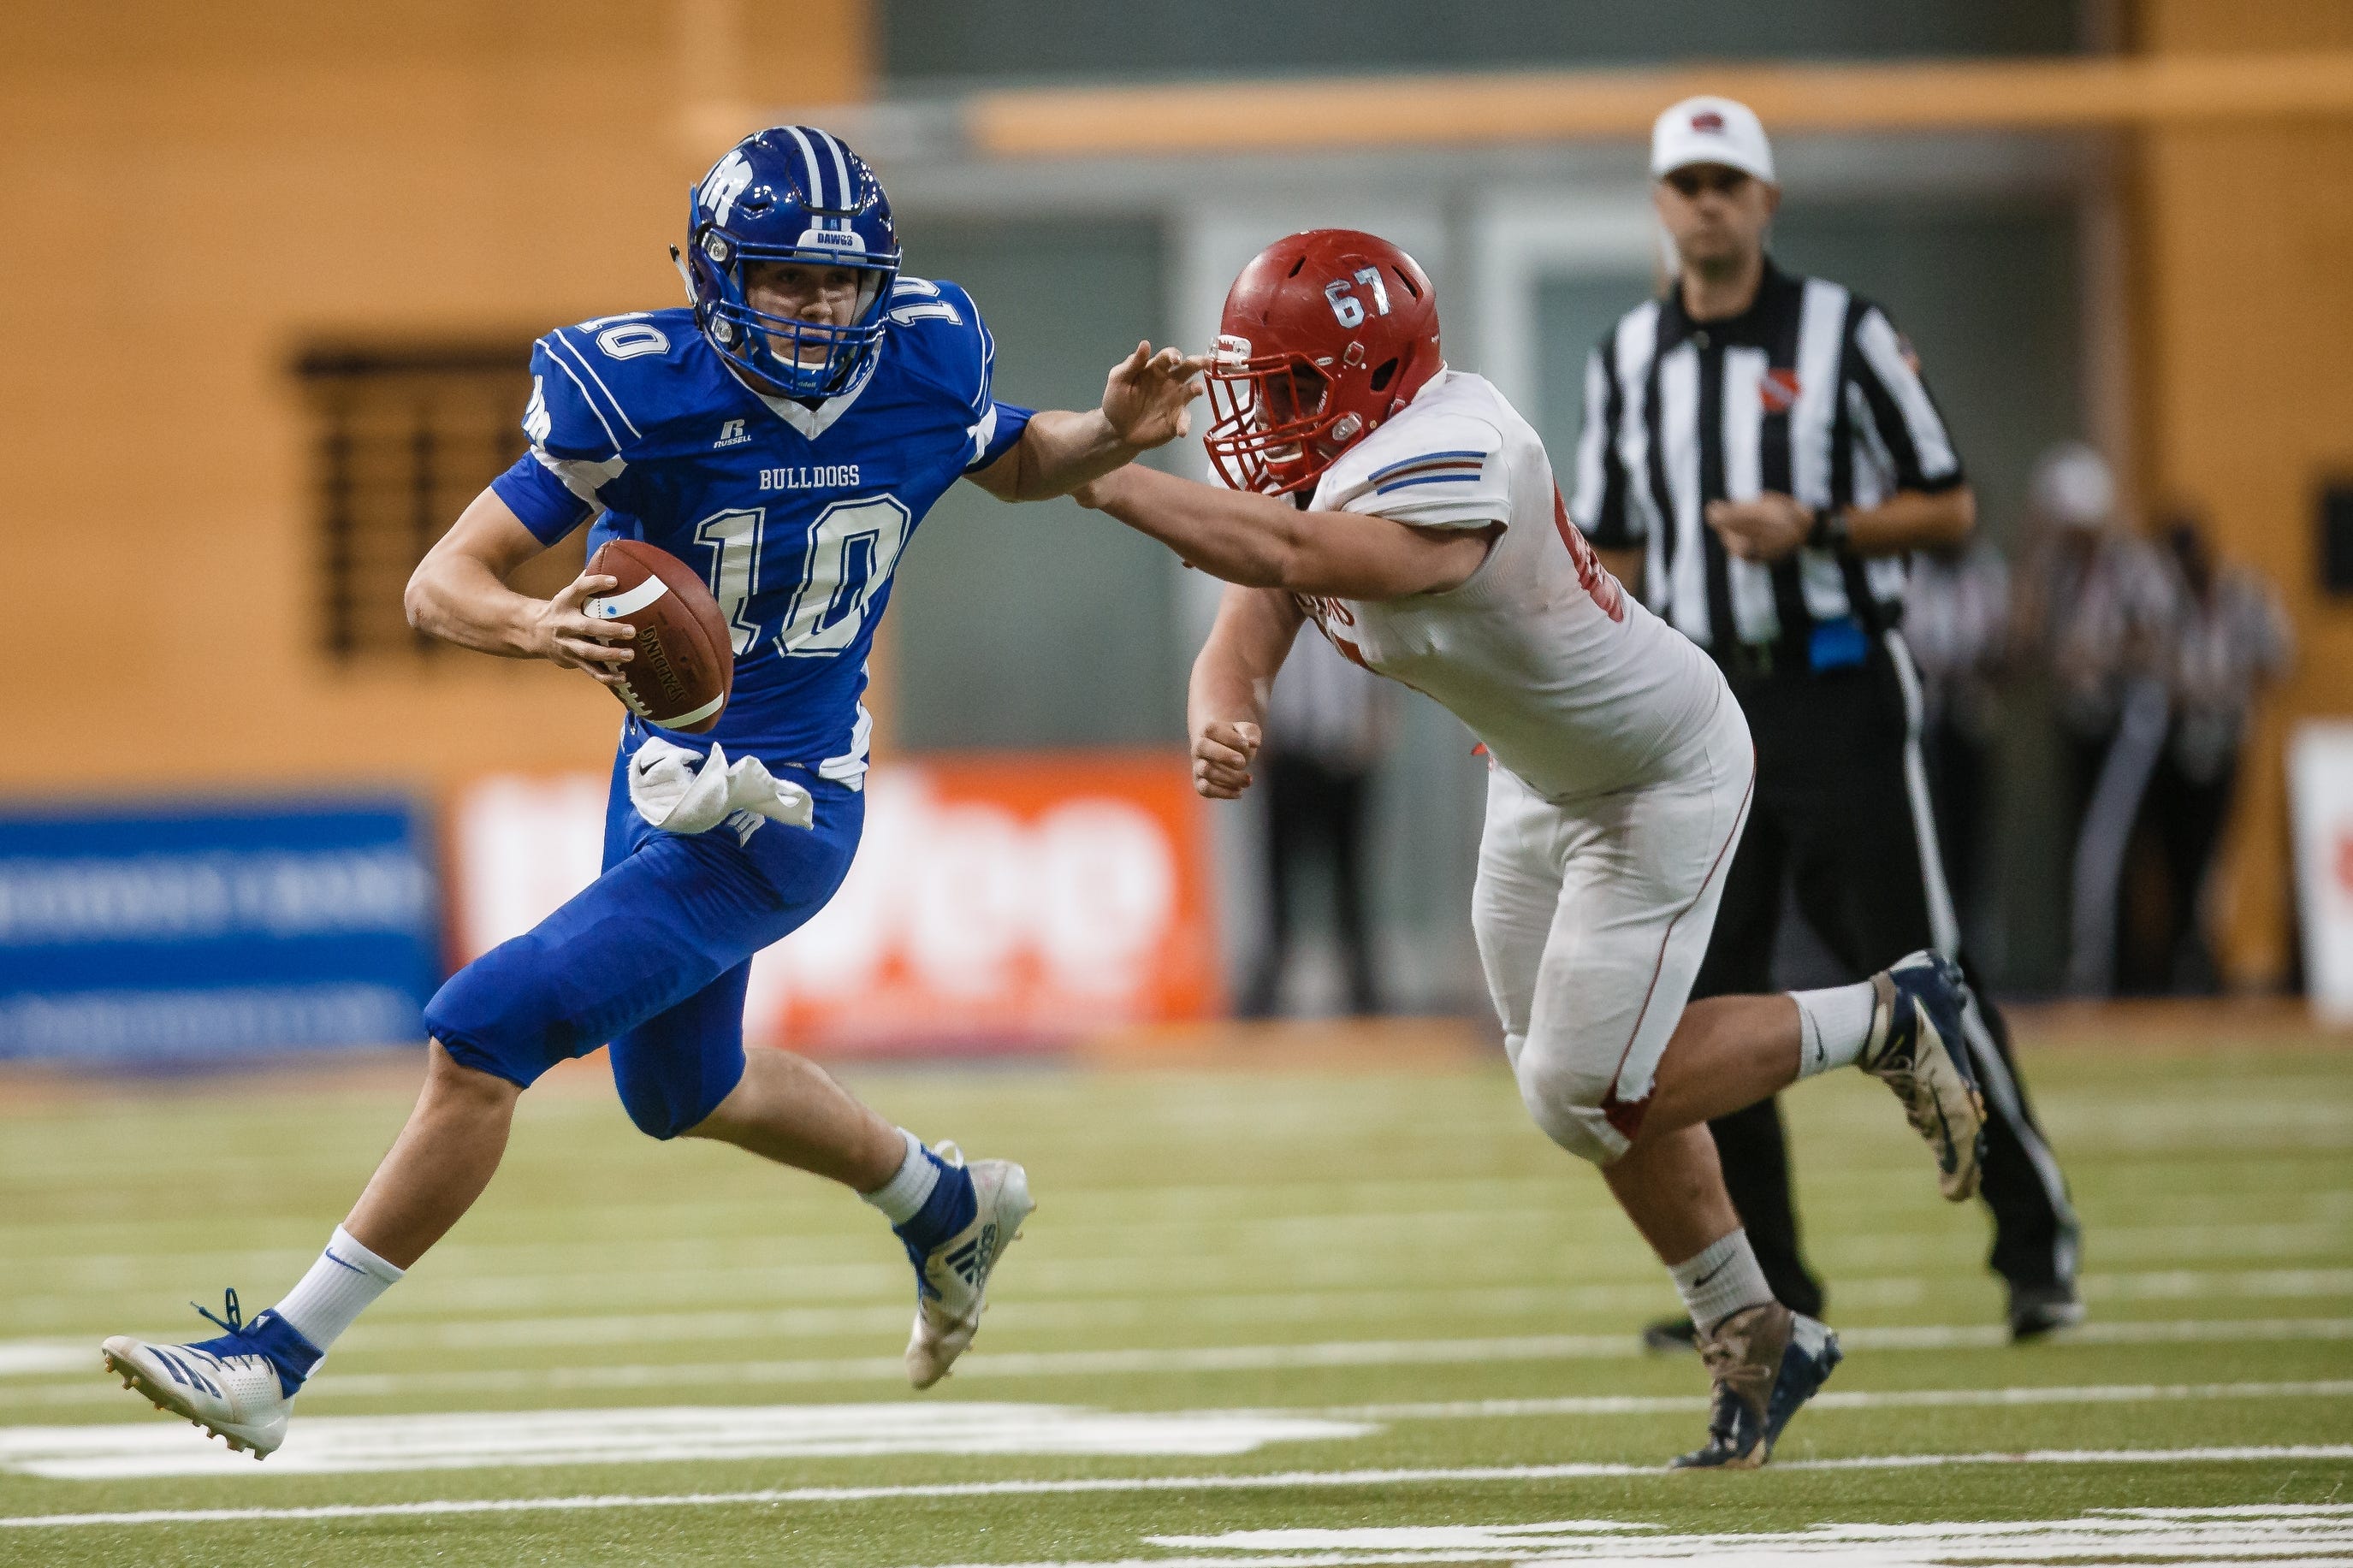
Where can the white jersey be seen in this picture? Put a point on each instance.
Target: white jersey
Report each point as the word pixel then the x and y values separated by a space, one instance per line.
pixel 1572 684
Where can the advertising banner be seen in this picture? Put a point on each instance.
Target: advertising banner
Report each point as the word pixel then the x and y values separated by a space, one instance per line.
pixel 176 935
pixel 994 898
pixel 2320 789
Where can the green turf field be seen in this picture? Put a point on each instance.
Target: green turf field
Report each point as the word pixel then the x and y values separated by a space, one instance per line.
pixel 1297 1319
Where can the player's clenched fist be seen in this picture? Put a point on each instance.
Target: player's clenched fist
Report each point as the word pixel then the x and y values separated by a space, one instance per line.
pixel 1222 758
pixel 562 633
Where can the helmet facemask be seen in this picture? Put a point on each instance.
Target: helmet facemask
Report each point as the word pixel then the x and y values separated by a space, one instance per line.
pixel 800 359
pixel 1274 428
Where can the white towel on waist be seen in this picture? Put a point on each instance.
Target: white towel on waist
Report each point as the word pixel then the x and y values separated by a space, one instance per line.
pixel 678 790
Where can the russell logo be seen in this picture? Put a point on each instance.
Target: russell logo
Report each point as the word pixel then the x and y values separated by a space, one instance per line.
pixel 731 434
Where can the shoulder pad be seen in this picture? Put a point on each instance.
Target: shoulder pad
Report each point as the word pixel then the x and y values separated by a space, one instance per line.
pixel 1415 444
pixel 624 377
pixel 914 300
pixel 1437 458
pixel 937 324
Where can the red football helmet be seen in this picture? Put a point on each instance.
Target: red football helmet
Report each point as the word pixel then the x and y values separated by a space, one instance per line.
pixel 1326 335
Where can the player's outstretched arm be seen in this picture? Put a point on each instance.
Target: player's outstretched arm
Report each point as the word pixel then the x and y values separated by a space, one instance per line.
pixel 1144 406
pixel 459 594
pixel 1233 674
pixel 1264 541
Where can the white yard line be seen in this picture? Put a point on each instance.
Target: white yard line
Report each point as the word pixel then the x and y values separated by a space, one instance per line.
pixel 1888 1399
pixel 56 1354
pixel 336 1445
pixel 2167 1244
pixel 720 1225
pixel 1276 1481
pixel 1147 1229
pixel 1093 1258
pixel 1141 1361
pixel 2224 1539
pixel 347 1445
pixel 2177 1284
pixel 23 1358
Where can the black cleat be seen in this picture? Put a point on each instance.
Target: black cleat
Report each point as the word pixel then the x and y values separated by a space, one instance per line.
pixel 1916 1050
pixel 2038 1310
pixel 1766 1362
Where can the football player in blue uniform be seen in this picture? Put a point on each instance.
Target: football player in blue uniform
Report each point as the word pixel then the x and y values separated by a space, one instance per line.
pixel 785 435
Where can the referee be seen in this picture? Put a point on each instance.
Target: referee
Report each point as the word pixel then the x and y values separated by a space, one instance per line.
pixel 1759 457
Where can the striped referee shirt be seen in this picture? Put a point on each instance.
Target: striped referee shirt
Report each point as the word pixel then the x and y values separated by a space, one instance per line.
pixel 1809 392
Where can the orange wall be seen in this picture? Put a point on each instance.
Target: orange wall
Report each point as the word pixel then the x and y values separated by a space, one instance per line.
pixel 189 192
pixel 2246 377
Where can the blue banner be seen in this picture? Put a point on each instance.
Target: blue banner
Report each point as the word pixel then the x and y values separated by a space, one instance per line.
pixel 171 935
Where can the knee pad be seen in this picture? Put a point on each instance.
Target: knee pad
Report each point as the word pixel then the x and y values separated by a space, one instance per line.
pixel 675 1068
pixel 1569 1108
pixel 661 1103
pixel 652 1115
pixel 497 1016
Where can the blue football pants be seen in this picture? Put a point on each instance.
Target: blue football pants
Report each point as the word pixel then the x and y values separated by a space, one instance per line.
pixel 651 958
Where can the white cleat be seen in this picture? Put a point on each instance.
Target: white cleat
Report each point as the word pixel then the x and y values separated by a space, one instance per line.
pixel 952 1279
pixel 235 1396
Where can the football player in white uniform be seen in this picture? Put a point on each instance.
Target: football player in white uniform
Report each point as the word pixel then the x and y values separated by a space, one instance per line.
pixel 1411 513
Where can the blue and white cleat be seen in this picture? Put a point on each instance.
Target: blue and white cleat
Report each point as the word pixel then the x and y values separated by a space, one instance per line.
pixel 952 1278
pixel 239 1386
pixel 1915 1048
pixel 1766 1362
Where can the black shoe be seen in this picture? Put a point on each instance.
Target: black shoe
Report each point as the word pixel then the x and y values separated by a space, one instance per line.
pixel 1669 1335
pixel 2037 1310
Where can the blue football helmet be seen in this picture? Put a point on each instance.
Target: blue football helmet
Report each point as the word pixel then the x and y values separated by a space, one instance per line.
pixel 793 193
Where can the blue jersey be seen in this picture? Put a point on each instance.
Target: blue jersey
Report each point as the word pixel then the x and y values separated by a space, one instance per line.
pixel 795 516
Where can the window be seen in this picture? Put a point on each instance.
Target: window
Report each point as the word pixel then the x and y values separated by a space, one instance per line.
pixel 402 437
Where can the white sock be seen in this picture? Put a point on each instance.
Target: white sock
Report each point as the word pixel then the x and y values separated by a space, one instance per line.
pixel 901 1198
pixel 1721 1280
pixel 1833 1026
pixel 339 1288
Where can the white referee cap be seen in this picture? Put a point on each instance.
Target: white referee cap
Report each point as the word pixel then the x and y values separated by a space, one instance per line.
pixel 2073 486
pixel 1710 130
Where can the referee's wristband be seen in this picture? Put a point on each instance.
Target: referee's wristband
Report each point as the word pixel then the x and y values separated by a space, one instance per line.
pixel 1830 530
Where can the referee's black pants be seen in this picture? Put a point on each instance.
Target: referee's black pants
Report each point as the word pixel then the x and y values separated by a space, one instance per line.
pixel 1842 814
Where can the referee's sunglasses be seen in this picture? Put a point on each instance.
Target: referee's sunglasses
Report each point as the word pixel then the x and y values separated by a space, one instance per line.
pixel 1689 183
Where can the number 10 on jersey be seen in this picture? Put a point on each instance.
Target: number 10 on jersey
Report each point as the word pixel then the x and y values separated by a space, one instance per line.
pixel 853 546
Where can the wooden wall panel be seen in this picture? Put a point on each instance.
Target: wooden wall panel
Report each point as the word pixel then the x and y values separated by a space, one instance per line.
pixel 2246 351
pixel 2228 26
pixel 193 193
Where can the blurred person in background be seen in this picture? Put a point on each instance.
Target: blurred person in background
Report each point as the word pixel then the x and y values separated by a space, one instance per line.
pixel 1328 723
pixel 1957 623
pixel 2230 638
pixel 2095 605
pixel 1759 457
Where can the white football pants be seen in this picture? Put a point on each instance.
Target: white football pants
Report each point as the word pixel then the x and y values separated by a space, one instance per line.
pixel 1592 918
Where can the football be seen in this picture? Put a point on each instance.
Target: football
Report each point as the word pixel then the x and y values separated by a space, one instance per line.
pixel 685 663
